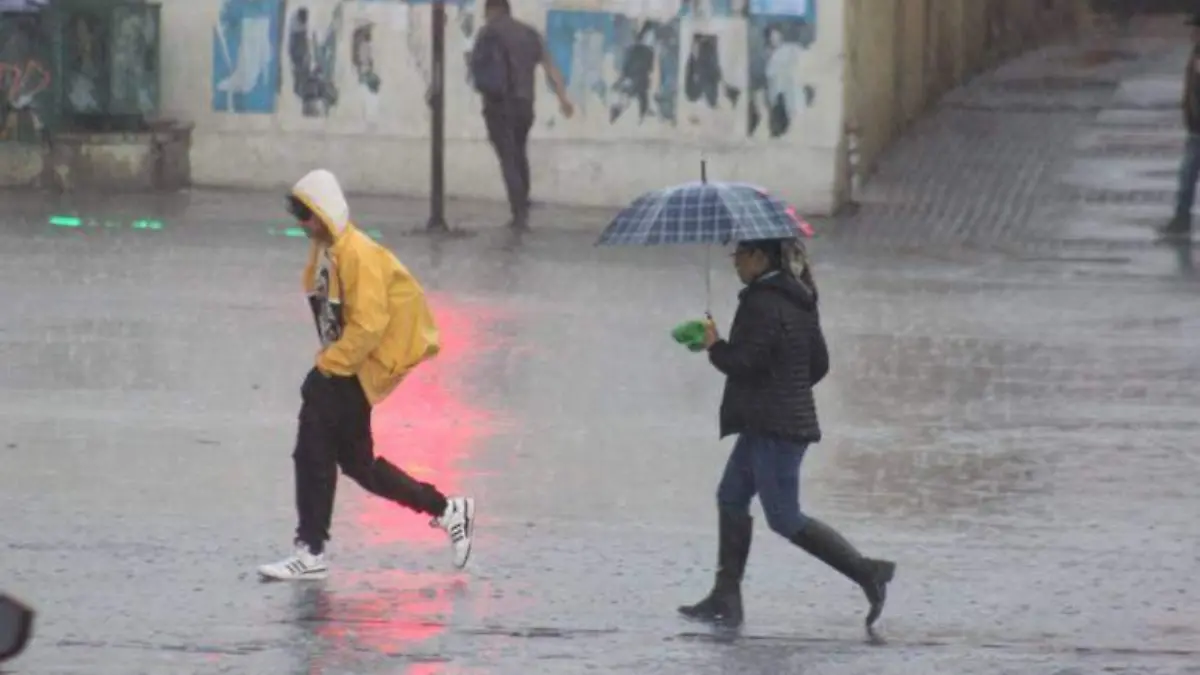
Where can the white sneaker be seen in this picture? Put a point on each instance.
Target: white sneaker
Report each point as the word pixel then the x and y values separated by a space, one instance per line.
pixel 300 566
pixel 459 522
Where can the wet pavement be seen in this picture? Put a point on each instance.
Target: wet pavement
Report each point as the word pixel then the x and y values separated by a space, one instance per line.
pixel 1064 158
pixel 1011 415
pixel 1021 440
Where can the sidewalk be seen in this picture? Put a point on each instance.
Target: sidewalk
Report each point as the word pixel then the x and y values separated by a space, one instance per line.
pixel 1060 154
pixel 1055 150
pixel 255 208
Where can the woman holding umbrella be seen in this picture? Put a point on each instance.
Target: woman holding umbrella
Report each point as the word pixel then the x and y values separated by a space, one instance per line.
pixel 773 357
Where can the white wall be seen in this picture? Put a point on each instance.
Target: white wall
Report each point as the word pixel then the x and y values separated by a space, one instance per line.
pixel 377 142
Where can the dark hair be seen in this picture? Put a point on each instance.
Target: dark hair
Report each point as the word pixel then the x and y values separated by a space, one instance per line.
pixel 780 254
pixel 298 208
pixel 769 247
pixel 501 5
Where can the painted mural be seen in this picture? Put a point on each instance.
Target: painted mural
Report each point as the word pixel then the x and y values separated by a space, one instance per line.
pixel 781 82
pixel 618 68
pixel 699 68
pixel 135 35
pixel 84 62
pixel 245 75
pixel 312 52
pixel 26 77
pixel 463 19
pixel 713 66
pixel 707 68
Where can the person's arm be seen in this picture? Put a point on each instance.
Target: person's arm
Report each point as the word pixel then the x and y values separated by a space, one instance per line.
pixel 364 304
pixel 819 356
pixel 1189 91
pixel 751 353
pixel 556 79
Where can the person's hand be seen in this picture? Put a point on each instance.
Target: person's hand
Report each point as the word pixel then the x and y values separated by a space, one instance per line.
pixel 711 336
pixel 565 105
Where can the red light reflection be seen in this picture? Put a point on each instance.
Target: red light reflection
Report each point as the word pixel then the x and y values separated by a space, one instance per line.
pixel 428 427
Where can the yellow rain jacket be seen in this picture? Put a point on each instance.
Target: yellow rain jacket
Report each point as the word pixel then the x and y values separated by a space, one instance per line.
pixel 370 312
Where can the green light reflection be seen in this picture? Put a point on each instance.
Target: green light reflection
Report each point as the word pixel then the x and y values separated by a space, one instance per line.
pixel 63 220
pixel 76 221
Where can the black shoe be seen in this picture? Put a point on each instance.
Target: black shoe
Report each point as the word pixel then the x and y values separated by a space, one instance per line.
pixel 723 606
pixel 520 220
pixel 878 574
pixel 830 547
pixel 1178 227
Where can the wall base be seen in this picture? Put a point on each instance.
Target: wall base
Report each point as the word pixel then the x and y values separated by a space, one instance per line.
pixel 576 173
pixel 150 161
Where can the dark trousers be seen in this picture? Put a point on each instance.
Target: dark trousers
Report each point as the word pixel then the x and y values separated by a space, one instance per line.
pixel 335 431
pixel 508 128
pixel 770 468
pixel 1189 172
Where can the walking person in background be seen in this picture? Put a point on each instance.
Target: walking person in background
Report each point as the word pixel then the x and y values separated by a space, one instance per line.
pixel 375 327
pixel 774 356
pixel 1189 170
pixel 503 61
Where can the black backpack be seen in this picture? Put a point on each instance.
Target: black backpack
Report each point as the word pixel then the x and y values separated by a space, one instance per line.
pixel 490 67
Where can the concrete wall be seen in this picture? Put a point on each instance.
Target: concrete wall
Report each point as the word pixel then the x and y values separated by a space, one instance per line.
pixel 904 54
pixel 235 69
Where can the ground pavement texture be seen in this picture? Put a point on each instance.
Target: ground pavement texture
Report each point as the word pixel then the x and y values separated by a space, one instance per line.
pixel 1014 424
pixel 1066 155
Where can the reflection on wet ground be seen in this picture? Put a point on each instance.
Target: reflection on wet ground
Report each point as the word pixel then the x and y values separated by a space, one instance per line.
pixel 1020 440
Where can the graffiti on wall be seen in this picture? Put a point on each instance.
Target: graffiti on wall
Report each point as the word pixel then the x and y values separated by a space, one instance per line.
pixel 463 20
pixel 700 67
pixel 337 58
pixel 134 57
pixel 312 51
pixel 714 67
pixel 781 88
pixel 25 76
pixel 714 64
pixel 245 75
pixel 616 66
pixel 84 61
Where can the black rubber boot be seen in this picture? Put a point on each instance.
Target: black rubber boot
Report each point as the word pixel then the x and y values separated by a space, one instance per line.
pixel 723 605
pixel 1177 228
pixel 830 547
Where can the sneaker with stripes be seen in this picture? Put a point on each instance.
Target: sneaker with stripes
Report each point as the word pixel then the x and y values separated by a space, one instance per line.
pixel 300 566
pixel 458 521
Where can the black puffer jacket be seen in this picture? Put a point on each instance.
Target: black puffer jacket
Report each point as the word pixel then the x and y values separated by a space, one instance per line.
pixel 1191 93
pixel 774 355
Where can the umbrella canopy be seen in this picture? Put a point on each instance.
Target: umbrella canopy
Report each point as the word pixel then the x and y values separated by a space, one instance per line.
pixel 704 213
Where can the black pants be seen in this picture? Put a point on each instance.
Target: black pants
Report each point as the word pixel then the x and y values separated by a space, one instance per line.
pixel 508 126
pixel 335 431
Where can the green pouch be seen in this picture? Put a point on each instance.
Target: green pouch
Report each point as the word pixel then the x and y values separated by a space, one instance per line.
pixel 690 334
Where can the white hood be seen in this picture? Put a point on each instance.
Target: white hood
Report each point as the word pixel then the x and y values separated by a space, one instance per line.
pixel 320 191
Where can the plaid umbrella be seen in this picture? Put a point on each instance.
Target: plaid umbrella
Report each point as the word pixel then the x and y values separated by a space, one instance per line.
pixel 705 213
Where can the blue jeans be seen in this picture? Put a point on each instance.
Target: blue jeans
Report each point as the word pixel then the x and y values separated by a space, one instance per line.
pixel 770 468
pixel 1189 172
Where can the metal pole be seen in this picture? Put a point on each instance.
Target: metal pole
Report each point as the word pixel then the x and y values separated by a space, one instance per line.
pixel 437 135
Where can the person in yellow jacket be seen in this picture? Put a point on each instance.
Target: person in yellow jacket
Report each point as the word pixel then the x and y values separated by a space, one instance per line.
pixel 375 327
